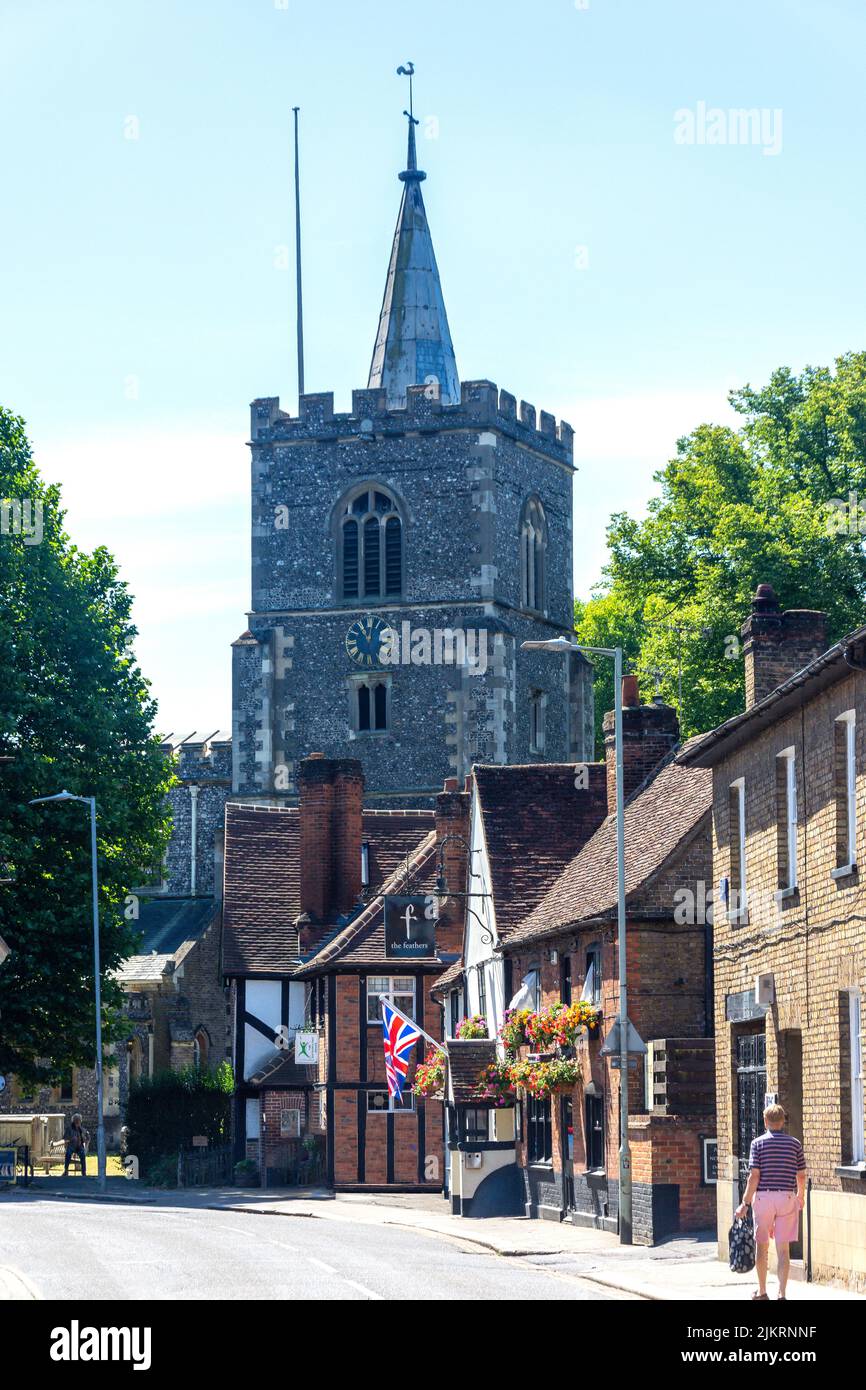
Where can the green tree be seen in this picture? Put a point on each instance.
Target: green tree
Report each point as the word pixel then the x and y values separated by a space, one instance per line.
pixel 766 502
pixel 75 713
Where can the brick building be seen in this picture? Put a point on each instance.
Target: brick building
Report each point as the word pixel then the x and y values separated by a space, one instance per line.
pixel 789 811
pixel 306 949
pixel 542 925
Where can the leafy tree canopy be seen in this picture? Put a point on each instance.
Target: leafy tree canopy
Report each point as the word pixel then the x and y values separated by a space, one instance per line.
pixel 75 713
pixel 768 501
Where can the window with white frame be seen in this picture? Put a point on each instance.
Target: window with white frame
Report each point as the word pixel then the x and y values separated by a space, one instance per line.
pixel 858 1138
pixel 786 818
pixel 845 729
pixel 481 977
pixel 399 990
pixel 738 903
pixel 382 1103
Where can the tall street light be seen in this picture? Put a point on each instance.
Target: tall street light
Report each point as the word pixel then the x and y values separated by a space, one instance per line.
pixel 100 1118
pixel 562 646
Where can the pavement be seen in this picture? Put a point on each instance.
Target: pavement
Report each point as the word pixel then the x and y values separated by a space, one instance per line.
pixel 682 1268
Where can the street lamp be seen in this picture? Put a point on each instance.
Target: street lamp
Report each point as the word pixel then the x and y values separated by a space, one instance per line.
pixel 562 645
pixel 100 1118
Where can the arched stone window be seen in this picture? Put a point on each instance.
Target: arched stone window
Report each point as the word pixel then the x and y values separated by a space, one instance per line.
pixel 533 556
pixel 201 1048
pixel 370 530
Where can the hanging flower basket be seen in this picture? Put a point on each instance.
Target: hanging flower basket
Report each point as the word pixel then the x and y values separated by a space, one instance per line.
pixel 541 1079
pixel 559 1025
pixel 430 1075
pixel 513 1033
pixel 472 1028
pixel 495 1084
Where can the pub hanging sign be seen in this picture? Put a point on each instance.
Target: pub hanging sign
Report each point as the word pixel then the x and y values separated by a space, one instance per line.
pixel 410 927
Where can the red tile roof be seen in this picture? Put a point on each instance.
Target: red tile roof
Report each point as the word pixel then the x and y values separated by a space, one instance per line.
pixel 261 897
pixel 362 942
pixel 659 818
pixel 534 820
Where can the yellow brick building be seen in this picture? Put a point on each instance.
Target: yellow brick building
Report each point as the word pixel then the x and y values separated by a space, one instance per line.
pixel 789 836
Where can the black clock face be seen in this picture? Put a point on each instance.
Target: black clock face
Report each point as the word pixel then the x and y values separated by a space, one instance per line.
pixel 364 639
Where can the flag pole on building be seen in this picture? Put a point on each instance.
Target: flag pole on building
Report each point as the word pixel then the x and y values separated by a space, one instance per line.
pixel 383 999
pixel 299 297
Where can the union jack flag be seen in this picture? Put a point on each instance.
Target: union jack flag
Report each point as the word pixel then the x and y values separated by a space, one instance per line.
pixel 400 1036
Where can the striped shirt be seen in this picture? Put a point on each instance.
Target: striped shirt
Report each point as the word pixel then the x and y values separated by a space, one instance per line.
pixel 780 1158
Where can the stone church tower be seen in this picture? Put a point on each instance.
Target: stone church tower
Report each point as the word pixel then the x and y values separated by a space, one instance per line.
pixel 401 552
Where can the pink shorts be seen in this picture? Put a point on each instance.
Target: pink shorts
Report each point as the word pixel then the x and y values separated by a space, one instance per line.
pixel 776 1214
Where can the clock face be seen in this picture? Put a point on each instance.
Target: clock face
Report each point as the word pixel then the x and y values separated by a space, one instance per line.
pixel 364 639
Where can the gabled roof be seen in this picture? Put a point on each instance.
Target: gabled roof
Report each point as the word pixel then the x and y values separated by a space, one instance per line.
pixel 831 666
pixel 660 817
pixel 413 342
pixel 362 941
pixel 534 820
pixel 169 926
pixel 262 892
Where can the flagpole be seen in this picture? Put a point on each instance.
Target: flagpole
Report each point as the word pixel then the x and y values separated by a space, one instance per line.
pixel 383 999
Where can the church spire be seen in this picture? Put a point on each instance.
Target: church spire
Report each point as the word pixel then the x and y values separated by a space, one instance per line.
pixel 413 344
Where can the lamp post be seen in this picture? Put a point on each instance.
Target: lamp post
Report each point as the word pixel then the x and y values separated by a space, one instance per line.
pixel 100 1117
pixel 561 645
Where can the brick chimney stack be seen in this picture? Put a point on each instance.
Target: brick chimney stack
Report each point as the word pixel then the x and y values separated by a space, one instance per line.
pixel 649 732
pixel 452 819
pixel 331 796
pixel 778 644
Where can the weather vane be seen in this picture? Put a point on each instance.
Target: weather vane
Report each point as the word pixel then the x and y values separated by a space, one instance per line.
pixel 408 71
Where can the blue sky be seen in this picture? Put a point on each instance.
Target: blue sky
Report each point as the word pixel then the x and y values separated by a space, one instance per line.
pixel 145 302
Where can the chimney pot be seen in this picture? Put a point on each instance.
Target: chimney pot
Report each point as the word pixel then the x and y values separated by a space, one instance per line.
pixel 630 693
pixel 777 644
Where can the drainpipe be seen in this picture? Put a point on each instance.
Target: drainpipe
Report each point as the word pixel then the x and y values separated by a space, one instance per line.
pixel 193 803
pixel 808 1230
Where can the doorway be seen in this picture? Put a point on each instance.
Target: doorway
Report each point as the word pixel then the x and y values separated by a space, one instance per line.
pixel 791 1096
pixel 566 1115
pixel 751 1061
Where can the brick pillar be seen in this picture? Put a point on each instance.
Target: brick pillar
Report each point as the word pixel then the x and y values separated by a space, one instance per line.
pixel 316 790
pixel 649 732
pixel 777 644
pixel 348 832
pixel 452 819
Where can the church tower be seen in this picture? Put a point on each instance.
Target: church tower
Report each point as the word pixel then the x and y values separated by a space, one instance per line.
pixel 401 552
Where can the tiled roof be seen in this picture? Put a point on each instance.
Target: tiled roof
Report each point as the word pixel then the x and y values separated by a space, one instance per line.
pixel 167 925
pixel 467 1059
pixel 450 977
pixel 283 1070
pixel 263 874
pixel 362 942
pixel 534 820
pixel 659 817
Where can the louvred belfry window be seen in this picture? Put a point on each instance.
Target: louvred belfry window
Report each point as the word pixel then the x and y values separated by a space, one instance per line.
pixel 371 546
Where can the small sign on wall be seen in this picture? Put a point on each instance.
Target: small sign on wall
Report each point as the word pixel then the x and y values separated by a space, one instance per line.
pixel 709 1160
pixel 290 1124
pixel 306 1049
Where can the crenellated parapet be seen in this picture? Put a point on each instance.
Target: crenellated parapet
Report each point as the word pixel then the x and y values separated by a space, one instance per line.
pixel 482 406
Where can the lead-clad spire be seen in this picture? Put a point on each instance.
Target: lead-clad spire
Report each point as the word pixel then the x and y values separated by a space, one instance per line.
pixel 413 344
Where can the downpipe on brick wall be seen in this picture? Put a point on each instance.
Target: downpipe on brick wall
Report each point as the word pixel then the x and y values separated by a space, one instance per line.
pixel 193 832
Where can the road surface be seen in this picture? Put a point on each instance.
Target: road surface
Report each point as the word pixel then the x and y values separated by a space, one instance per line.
pixel 65 1249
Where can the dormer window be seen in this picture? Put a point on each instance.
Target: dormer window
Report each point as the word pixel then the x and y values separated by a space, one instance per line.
pixel 370 546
